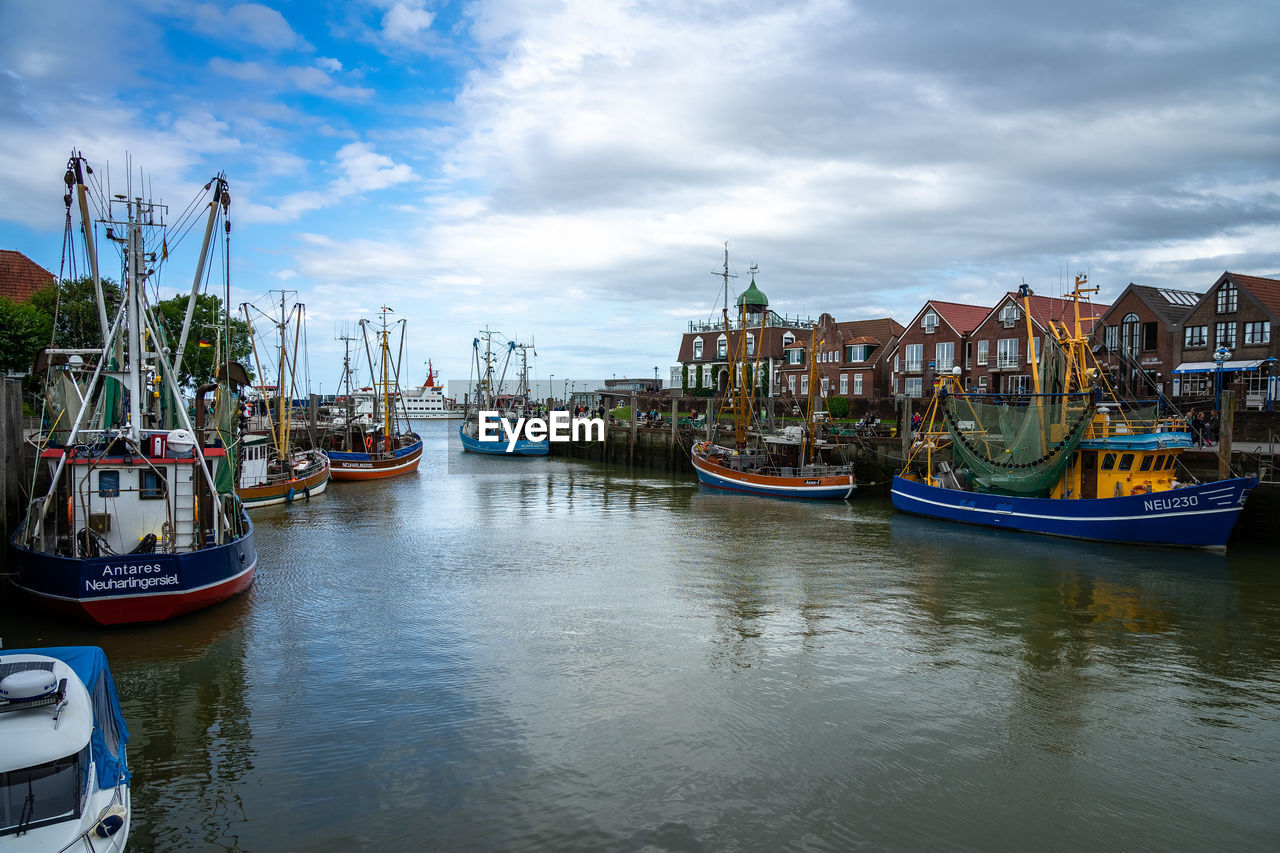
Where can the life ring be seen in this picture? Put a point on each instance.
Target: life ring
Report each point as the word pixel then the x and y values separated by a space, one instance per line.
pixel 368 443
pixel 71 522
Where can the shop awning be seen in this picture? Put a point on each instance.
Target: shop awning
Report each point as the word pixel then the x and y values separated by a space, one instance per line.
pixel 1212 366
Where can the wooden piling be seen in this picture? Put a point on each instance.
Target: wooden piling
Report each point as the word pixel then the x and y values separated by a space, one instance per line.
pixel 1226 425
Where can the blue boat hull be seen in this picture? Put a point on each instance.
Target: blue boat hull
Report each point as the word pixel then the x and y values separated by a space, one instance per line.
pixel 1200 516
pixel 523 447
pixel 133 588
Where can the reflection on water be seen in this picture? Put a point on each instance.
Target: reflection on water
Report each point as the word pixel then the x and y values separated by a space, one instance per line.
pixel 540 654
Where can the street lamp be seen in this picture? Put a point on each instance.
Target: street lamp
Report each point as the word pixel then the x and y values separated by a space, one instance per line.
pixel 1270 368
pixel 1220 355
pixel 551 384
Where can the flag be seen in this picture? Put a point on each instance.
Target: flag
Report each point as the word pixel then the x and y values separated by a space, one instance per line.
pixel 205 343
pixel 164 252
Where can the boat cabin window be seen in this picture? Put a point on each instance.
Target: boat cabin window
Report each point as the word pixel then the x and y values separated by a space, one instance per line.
pixel 108 484
pixel 151 485
pixel 1146 463
pixel 1108 462
pixel 1168 463
pixel 43 794
pixel 1126 462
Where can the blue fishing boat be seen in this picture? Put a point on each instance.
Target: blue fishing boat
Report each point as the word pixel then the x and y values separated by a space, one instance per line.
pixel 1071 459
pixel 64 777
pixel 486 402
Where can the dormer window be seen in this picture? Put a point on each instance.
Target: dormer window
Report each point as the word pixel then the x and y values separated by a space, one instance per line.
pixel 697 349
pixel 788 339
pixel 1010 314
pixel 722 347
pixel 1227 298
pixel 751 344
pixel 929 323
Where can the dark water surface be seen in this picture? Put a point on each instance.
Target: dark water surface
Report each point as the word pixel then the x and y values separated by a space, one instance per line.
pixel 549 655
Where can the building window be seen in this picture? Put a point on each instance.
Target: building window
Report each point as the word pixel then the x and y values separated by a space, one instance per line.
pixel 697 349
pixel 982 381
pixel 856 352
pixel 1010 314
pixel 1195 337
pixel 915 357
pixel 795 356
pixel 706 376
pixel 1111 338
pixel 804 384
pixel 895 362
pixel 1224 335
pixel 944 357
pixel 914 386
pixel 968 354
pixel 1006 353
pixel 857 384
pixel 1227 298
pixel 1129 333
pixel 151 484
pixel 788 339
pixel 791 384
pixel 930 322
pixel 982 353
pixel 108 484
pixel 844 384
pixel 1019 384
pixel 826 386
pixel 751 344
pixel 722 347
pixel 1149 333
pixel 1257 333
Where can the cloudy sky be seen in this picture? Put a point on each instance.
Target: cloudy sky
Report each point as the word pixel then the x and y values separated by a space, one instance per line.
pixel 567 172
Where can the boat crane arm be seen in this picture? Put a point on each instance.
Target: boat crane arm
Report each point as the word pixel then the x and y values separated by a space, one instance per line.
pixel 220 195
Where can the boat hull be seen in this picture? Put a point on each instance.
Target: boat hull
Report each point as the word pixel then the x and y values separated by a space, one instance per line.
pixel 1200 516
pixel 717 476
pixel 375 466
pixel 132 588
pixel 523 447
pixel 286 492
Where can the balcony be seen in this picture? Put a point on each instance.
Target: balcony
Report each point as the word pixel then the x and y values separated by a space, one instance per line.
pixel 1006 362
pixel 913 367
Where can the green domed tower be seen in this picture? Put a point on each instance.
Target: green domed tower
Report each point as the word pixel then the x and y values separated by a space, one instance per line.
pixel 753 300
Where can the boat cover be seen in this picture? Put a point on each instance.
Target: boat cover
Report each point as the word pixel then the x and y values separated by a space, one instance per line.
pixel 109 731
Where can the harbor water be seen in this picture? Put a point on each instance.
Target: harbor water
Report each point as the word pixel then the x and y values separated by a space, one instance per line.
pixel 542 654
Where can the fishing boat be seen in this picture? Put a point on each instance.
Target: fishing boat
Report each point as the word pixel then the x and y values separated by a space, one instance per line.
pixel 272 470
pixel 64 777
pixel 139 521
pixel 384 445
pixel 485 401
pixel 425 402
pixel 1071 459
pixel 790 464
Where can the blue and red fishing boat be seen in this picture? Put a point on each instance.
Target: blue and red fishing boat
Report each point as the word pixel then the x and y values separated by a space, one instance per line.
pixel 140 521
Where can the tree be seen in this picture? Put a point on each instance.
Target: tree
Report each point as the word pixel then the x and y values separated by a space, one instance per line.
pixel 24 329
pixel 208 323
pixel 838 407
pixel 76 307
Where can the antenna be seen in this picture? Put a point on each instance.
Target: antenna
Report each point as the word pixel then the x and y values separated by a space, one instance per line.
pixel 726 275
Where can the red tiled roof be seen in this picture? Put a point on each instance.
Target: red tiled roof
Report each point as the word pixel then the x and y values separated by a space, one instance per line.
pixel 963 318
pixel 1265 290
pixel 1046 308
pixel 20 276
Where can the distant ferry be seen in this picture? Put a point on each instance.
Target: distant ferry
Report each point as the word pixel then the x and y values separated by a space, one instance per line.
pixel 424 403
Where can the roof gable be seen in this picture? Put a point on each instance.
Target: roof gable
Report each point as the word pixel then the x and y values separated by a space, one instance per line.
pixel 20 276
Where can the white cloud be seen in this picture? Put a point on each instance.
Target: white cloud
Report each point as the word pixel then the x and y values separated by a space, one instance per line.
pixel 404 23
pixel 249 22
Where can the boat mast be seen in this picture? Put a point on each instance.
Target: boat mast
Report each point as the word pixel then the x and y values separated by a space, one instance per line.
pixel 739 426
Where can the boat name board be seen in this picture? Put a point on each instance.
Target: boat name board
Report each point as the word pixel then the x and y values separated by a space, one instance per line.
pixel 560 427
pixel 142 576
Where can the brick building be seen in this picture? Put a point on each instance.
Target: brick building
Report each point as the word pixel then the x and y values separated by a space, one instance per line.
pixel 852 358
pixel 932 343
pixel 1141 339
pixel 1237 315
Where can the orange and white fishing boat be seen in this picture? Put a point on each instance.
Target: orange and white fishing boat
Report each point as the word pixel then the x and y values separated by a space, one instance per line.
pixel 789 465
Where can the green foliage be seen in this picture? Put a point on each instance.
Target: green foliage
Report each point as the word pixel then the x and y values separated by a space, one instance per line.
pixel 764 382
pixel 838 407
pixel 77 310
pixel 697 377
pixel 207 322
pixel 24 329
pixel 684 377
